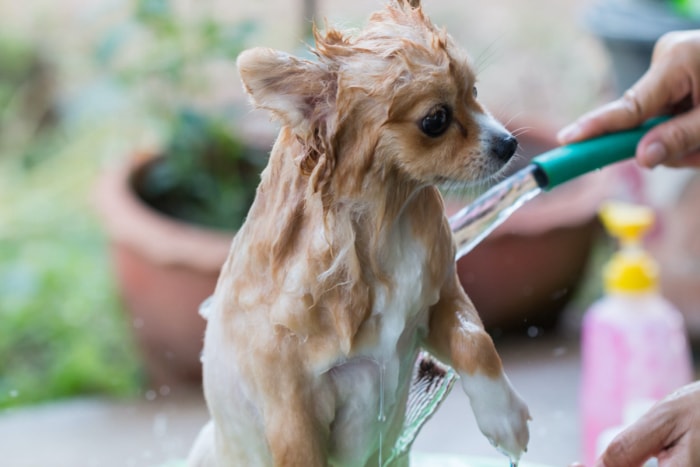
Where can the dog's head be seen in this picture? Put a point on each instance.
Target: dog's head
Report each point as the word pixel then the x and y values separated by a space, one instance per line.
pixel 398 97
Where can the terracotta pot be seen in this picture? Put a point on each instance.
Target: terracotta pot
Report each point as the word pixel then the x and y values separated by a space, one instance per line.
pixel 164 270
pixel 526 271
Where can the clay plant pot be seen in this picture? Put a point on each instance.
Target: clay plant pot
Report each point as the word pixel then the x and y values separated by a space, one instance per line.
pixel 525 273
pixel 164 269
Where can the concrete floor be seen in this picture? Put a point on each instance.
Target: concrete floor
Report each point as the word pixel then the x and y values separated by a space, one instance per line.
pixel 160 430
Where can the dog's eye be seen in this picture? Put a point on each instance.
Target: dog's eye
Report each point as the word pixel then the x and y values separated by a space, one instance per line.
pixel 475 93
pixel 437 121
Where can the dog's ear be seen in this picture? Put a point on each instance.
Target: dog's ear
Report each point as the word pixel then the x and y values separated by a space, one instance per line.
pixel 299 92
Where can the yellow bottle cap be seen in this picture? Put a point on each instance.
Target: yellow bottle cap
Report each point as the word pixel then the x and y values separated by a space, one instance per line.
pixel 631 269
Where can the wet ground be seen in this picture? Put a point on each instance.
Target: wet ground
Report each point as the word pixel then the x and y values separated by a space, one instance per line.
pixel 159 429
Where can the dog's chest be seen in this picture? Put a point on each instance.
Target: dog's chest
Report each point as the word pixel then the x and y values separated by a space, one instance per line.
pixel 372 384
pixel 402 307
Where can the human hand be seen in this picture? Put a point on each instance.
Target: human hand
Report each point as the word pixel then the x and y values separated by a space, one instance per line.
pixel 669 431
pixel 670 86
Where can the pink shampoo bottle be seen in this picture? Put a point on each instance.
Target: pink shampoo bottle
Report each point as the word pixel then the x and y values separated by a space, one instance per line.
pixel 634 344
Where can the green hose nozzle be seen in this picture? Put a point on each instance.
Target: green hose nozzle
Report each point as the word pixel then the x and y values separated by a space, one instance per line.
pixel 566 162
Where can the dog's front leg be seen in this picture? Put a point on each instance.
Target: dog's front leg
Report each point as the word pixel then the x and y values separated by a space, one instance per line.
pixel 293 413
pixel 293 439
pixel 458 338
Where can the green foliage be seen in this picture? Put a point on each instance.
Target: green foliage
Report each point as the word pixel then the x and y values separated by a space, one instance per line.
pixel 165 53
pixel 17 57
pixel 216 187
pixel 28 111
pixel 686 8
pixel 161 59
pixel 62 330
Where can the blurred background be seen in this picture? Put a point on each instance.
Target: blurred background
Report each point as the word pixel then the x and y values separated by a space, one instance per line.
pixel 129 155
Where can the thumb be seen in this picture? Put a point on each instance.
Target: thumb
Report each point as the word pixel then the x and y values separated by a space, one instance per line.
pixel 674 143
pixel 645 438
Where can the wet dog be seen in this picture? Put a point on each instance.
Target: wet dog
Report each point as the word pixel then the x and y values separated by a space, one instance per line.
pixel 344 268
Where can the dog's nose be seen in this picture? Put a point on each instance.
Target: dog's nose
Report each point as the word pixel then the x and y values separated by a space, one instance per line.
pixel 504 147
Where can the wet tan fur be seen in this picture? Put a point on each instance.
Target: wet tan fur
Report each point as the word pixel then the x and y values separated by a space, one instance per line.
pixel 349 174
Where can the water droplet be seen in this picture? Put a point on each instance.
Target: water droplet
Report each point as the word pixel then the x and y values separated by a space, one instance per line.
pixel 533 331
pixel 151 395
pixel 14 393
pixel 382 369
pixel 164 390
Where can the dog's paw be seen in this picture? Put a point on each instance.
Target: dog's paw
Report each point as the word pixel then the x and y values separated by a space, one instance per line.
pixel 501 414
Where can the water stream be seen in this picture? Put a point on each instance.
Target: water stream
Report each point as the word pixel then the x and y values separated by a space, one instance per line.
pixel 381 417
pixel 481 217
